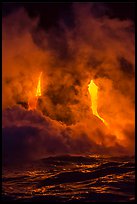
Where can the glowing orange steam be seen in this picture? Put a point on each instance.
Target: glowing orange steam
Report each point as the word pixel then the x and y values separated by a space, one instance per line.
pixel 93 90
pixel 32 102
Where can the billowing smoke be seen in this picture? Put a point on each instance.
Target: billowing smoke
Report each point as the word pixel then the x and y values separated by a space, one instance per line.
pixel 94 47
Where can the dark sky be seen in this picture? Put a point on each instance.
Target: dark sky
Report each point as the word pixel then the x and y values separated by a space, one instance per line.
pixel 50 13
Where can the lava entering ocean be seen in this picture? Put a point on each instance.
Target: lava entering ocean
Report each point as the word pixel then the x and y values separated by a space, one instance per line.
pixel 68 97
pixel 71 115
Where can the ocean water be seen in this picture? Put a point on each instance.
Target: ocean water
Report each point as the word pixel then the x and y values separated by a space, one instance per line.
pixel 71 179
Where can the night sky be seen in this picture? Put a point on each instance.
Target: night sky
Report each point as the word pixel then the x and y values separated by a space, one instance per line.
pixel 51 13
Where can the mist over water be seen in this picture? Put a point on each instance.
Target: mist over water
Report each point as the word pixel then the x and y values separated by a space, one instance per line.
pixel 29 135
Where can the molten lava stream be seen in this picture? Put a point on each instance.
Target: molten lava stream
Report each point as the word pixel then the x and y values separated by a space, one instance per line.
pixel 38 91
pixel 93 90
pixel 32 102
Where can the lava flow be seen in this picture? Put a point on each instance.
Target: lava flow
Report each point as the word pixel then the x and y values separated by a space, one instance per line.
pixel 32 102
pixel 93 90
pixel 38 91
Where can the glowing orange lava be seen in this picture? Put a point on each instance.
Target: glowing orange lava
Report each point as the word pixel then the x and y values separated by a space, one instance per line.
pixel 93 90
pixel 32 102
pixel 38 91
